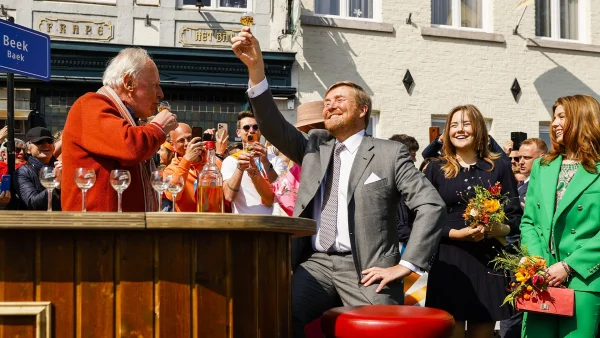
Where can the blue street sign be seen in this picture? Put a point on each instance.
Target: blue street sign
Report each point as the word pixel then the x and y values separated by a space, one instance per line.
pixel 24 51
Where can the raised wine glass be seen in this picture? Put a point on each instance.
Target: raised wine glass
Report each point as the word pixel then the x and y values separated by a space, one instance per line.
pixel 120 180
pixel 247 19
pixel 163 105
pixel 175 186
pixel 85 179
pixel 160 184
pixel 50 179
pixel 249 146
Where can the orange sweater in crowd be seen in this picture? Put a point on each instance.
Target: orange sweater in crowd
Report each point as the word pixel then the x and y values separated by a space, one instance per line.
pixel 97 137
pixel 186 199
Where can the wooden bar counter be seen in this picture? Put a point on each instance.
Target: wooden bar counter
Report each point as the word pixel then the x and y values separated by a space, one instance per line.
pixel 168 275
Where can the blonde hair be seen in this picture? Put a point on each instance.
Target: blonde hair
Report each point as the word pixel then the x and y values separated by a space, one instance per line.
pixel 581 132
pixel 451 168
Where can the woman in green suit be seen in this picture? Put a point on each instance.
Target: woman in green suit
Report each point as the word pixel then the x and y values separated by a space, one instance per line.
pixel 562 217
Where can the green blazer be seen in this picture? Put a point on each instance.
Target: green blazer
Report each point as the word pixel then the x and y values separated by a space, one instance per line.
pixel 575 222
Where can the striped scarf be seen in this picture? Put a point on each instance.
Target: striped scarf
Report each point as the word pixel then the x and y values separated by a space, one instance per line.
pixel 145 167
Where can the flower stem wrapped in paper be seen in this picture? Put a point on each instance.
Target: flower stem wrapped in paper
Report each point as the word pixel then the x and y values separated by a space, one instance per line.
pixel 486 208
pixel 530 290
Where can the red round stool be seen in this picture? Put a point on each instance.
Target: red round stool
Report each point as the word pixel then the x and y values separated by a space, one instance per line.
pixel 383 321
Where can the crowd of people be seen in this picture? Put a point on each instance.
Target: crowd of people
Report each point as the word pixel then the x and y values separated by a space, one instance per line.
pixel 366 194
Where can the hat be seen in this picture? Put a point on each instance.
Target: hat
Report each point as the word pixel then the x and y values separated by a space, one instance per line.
pixel 309 113
pixel 37 134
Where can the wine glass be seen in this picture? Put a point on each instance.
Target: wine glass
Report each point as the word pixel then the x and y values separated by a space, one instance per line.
pixel 249 146
pixel 85 179
pixel 50 179
pixel 120 180
pixel 175 187
pixel 160 184
pixel 163 105
pixel 247 19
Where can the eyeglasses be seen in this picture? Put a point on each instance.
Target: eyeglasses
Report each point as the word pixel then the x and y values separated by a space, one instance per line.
pixel 516 158
pixel 18 150
pixel 247 127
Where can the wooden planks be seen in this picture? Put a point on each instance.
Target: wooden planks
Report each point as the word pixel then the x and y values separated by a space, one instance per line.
pixel 95 285
pixel 134 279
pixel 17 258
pixel 148 283
pixel 174 287
pixel 213 284
pixel 55 273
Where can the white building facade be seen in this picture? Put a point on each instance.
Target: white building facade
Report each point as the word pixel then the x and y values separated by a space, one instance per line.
pixel 458 52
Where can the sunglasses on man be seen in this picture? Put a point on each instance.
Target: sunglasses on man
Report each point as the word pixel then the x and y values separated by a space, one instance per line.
pixel 247 127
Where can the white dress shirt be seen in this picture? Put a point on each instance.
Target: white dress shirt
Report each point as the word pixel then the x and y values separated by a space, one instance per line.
pixel 342 238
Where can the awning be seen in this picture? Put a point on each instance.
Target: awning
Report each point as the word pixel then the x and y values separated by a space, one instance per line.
pixel 85 62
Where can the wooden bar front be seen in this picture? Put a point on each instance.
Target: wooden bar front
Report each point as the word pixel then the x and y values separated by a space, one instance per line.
pixel 146 274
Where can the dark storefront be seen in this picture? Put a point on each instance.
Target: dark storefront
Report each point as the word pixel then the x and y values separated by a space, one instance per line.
pixel 203 86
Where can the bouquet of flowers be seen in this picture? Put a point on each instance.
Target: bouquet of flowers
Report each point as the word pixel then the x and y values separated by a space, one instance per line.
pixel 487 207
pixel 530 275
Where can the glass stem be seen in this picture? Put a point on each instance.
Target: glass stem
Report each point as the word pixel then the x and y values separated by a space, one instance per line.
pixel 159 200
pixel 83 209
pixel 50 199
pixel 119 202
pixel 174 201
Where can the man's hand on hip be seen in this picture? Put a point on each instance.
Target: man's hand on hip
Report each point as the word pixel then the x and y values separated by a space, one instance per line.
pixel 247 49
pixel 385 275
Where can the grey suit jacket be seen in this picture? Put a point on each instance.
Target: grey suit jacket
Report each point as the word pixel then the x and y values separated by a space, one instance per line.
pixel 372 208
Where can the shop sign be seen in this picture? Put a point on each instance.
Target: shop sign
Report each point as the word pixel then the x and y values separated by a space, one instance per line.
pixel 76 29
pixel 204 36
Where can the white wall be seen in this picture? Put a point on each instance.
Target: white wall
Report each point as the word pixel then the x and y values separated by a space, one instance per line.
pixel 447 71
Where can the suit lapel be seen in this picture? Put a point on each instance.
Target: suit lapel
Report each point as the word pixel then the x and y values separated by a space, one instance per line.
pixel 325 151
pixel 578 184
pixel 549 177
pixel 364 154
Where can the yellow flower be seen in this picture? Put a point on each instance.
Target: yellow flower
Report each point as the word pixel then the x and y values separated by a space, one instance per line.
pixel 522 277
pixel 491 205
pixel 529 288
pixel 527 297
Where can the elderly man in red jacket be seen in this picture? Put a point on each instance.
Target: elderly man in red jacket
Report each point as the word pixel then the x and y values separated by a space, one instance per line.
pixel 102 133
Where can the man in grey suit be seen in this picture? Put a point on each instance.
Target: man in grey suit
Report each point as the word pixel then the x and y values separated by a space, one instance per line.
pixel 351 184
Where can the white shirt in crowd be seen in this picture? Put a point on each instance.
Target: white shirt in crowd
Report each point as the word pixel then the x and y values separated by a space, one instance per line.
pixel 247 200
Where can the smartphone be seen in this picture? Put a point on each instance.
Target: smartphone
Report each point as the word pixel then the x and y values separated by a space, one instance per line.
pixel 197 132
pixel 517 137
pixel 221 128
pixel 434 132
pixel 5 183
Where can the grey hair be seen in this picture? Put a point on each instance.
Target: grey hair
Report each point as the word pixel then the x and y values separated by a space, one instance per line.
pixel 4 146
pixel 129 61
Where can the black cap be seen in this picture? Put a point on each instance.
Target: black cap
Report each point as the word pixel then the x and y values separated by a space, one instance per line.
pixel 37 134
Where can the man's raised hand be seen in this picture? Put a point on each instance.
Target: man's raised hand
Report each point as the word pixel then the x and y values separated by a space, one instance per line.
pixel 247 49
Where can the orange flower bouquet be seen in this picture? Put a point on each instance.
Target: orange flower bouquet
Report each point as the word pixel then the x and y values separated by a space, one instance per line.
pixel 487 207
pixel 529 271
pixel 530 290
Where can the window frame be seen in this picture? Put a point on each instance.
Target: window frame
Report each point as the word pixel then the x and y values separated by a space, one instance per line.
pixel 486 20
pixel 583 29
pixel 545 128
pixel 374 126
pixel 93 2
pixel 215 7
pixel 377 10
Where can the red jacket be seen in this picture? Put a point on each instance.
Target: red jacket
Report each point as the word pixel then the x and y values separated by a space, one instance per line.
pixel 97 137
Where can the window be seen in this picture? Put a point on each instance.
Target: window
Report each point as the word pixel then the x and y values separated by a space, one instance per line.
pixel 215 4
pixel 373 127
pixel 470 14
pixel 560 19
pixel 545 133
pixel 361 9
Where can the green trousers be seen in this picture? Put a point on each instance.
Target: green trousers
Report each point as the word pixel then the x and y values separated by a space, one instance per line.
pixel 583 324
